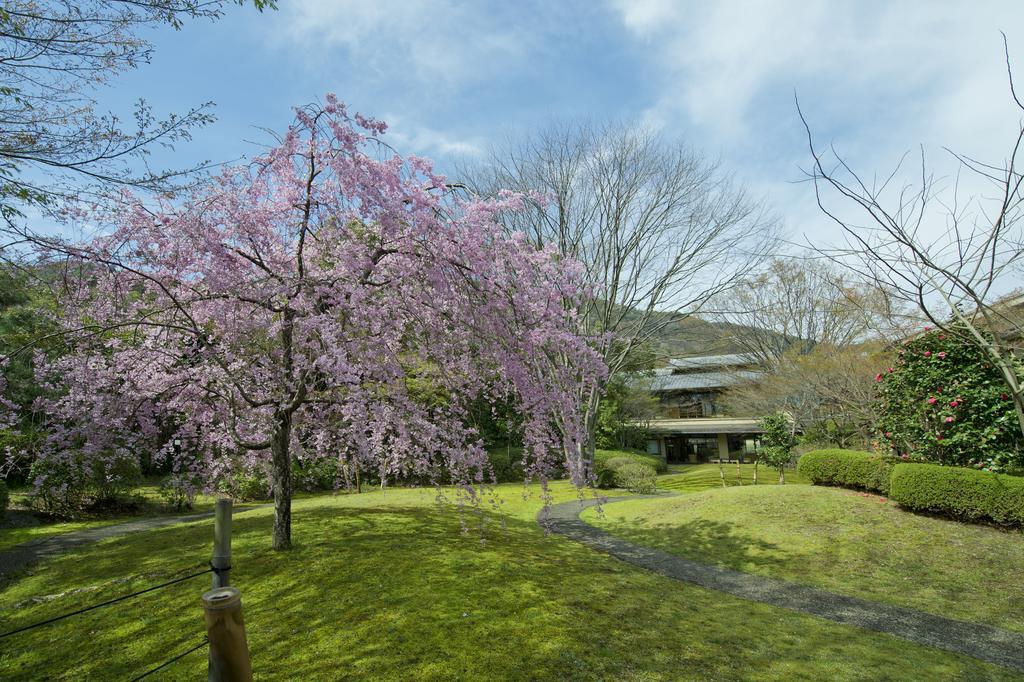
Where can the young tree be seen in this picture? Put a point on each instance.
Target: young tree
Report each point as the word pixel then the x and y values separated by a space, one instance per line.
pixel 797 304
pixel 829 392
pixel 952 263
pixel 54 55
pixel 626 409
pixel 319 299
pixel 777 442
pixel 658 228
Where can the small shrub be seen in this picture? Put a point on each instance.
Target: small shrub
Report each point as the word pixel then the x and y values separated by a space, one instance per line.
pixel 70 484
pixel 964 494
pixel 111 480
pixel 179 490
pixel 626 471
pixel 606 468
pixel 507 464
pixel 636 477
pixel 847 469
pixel 60 486
pixel 314 475
pixel 654 461
pixel 246 486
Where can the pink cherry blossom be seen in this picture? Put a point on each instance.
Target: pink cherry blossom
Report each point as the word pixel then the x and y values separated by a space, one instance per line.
pixel 331 301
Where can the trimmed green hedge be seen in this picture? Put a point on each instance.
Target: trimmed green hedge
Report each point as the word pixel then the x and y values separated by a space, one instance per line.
pixel 847 469
pixel 626 472
pixel 655 461
pixel 965 494
pixel 636 477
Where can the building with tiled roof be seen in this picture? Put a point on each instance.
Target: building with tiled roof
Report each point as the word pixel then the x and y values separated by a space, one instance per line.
pixel 689 428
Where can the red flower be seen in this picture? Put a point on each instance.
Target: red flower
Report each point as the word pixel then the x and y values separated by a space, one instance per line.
pixel 878 377
pixel 888 434
pixel 942 354
pixel 931 401
pixel 927 329
pixel 949 419
pixel 891 370
pixel 927 353
pixel 953 403
pixel 904 457
pixel 1003 396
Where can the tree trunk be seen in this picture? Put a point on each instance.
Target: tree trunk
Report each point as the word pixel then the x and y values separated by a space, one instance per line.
pixel 590 426
pixel 282 482
pixel 755 471
pixel 782 475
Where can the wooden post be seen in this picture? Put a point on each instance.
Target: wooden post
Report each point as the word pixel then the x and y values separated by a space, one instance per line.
pixel 221 565
pixel 229 650
pixel 221 561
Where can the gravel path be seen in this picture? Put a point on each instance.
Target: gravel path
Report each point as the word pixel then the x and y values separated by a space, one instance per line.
pixel 983 642
pixel 20 557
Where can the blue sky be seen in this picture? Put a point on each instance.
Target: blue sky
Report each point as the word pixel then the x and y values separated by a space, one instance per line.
pixel 876 78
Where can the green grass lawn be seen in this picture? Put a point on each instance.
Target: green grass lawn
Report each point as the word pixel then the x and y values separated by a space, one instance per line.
pixel 840 540
pixel 387 586
pixel 688 478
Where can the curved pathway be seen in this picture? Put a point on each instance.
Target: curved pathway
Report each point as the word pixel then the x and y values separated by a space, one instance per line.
pixel 983 642
pixel 20 557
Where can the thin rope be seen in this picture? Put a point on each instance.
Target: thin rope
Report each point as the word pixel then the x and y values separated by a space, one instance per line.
pixel 176 658
pixel 106 603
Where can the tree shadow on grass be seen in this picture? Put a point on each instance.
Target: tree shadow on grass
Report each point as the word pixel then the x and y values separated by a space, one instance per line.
pixel 706 540
pixel 399 592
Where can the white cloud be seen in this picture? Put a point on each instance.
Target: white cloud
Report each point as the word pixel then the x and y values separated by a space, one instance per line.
pixel 412 138
pixel 878 78
pixel 438 43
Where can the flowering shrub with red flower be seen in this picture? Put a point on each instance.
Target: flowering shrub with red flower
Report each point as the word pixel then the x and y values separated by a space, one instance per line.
pixel 946 403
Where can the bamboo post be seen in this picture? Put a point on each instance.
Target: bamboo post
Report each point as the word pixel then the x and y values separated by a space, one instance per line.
pixel 221 561
pixel 225 628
